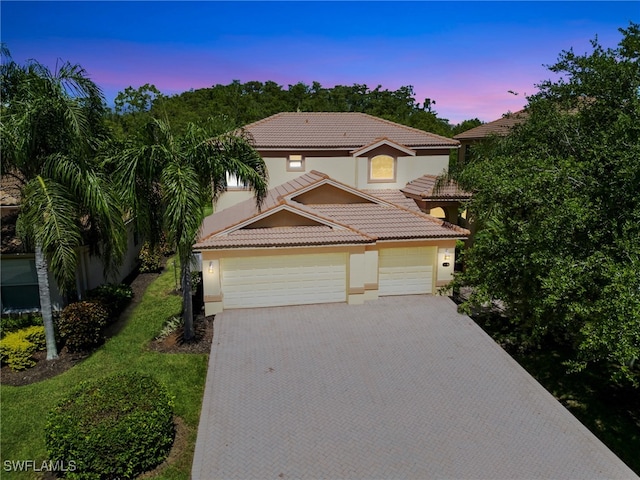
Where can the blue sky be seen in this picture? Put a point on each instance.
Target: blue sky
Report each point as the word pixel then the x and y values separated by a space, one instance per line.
pixel 464 55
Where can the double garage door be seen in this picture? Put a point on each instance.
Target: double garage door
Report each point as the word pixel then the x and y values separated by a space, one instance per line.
pixel 277 280
pixel 284 280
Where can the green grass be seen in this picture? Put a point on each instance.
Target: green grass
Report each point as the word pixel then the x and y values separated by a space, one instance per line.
pixel 611 412
pixel 24 409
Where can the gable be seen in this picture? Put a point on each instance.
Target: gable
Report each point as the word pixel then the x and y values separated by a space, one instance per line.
pixel 283 218
pixel 329 194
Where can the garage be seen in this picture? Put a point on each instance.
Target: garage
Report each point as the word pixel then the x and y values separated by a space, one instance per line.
pixel 406 271
pixel 276 280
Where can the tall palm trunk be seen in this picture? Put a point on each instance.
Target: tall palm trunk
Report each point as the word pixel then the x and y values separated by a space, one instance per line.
pixel 187 300
pixel 45 303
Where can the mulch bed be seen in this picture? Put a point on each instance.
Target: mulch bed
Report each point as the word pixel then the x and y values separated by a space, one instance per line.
pixel 45 369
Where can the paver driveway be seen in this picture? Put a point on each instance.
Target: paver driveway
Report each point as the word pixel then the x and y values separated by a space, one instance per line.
pixel 402 387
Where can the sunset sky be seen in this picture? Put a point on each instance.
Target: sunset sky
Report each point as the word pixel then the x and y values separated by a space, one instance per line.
pixel 466 56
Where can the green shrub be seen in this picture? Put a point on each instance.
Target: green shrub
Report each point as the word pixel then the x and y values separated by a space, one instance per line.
pixel 113 296
pixel 149 259
pixel 17 321
pixel 115 427
pixel 17 348
pixel 81 325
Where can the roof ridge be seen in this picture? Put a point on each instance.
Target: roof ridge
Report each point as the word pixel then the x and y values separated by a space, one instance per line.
pixel 407 127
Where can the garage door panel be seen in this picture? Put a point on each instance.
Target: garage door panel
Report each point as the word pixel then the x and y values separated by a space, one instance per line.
pixel 406 271
pixel 284 280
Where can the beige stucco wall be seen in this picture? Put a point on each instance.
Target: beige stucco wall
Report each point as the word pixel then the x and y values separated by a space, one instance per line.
pixel 345 169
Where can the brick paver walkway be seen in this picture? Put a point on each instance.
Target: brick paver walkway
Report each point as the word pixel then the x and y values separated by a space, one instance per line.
pixel 403 387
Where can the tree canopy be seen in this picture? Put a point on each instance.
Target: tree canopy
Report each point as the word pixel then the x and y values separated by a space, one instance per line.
pixel 557 206
pixel 238 104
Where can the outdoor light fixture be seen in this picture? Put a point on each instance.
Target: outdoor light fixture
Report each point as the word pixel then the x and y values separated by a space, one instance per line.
pixel 211 267
pixel 446 255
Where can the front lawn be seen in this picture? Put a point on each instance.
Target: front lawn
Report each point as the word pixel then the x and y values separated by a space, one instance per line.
pixel 24 409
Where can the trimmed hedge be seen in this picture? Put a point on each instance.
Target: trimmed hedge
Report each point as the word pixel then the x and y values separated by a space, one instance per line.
pixel 81 325
pixel 17 348
pixel 116 427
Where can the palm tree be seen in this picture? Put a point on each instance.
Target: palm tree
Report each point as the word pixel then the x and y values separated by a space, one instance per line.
pixel 50 124
pixel 168 179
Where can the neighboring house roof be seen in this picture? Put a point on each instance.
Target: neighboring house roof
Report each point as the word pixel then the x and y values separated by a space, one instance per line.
pixel 500 127
pixel 364 220
pixel 424 188
pixel 9 191
pixel 348 130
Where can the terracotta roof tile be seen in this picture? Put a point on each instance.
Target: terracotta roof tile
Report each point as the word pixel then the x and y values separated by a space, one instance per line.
pixel 394 196
pixel 285 237
pixel 385 219
pixel 349 130
pixel 389 222
pixel 9 190
pixel 424 188
pixel 500 127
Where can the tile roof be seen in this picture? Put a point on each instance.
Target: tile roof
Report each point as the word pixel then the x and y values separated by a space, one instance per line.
pixel 285 237
pixel 424 188
pixel 349 130
pixel 388 222
pixel 394 196
pixel 499 127
pixel 339 223
pixel 10 190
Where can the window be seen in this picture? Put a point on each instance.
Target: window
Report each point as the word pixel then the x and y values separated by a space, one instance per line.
pixel 233 183
pixel 295 163
pixel 19 285
pixel 382 168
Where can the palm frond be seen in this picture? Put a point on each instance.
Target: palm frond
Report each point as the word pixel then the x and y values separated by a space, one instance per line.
pixel 49 218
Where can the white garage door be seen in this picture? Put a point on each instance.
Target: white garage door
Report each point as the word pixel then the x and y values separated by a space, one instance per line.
pixel 405 271
pixel 284 280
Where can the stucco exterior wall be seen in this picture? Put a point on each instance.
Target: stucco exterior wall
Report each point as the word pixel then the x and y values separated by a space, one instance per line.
pixel 346 169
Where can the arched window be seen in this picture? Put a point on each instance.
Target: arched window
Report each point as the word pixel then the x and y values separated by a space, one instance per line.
pixel 382 168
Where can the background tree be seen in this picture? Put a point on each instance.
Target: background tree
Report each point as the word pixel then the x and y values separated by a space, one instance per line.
pixel 243 103
pixel 168 178
pixel 558 208
pixel 51 122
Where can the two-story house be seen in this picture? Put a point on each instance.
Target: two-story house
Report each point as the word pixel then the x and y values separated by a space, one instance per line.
pixel 343 222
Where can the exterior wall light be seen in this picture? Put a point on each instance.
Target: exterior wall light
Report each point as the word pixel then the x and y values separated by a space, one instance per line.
pixel 446 255
pixel 211 267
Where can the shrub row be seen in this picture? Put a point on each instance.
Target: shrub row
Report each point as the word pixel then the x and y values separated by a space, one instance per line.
pixel 115 427
pixel 81 324
pixel 17 348
pixel 17 321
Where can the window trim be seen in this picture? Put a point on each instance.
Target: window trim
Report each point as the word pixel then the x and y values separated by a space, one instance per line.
pixel 295 158
pixel 382 180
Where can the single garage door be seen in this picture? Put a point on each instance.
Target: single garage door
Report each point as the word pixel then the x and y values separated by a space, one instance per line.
pixel 405 271
pixel 284 280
